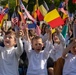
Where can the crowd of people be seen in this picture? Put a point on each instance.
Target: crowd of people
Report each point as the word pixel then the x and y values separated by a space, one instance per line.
pixel 25 52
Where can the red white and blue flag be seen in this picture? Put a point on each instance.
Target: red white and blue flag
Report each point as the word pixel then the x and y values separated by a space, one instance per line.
pixel 26 12
pixel 15 19
pixel 61 8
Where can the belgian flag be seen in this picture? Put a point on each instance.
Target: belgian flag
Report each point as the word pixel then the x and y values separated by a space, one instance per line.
pixel 41 12
pixel 53 18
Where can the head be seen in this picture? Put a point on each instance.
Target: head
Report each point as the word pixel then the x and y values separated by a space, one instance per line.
pixel 73 49
pixel 55 38
pixel 10 39
pixel 37 43
pixel 43 29
pixel 31 33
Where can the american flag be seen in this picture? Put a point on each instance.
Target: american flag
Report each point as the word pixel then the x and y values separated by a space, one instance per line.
pixel 26 12
pixel 5 10
pixel 61 8
pixel 15 19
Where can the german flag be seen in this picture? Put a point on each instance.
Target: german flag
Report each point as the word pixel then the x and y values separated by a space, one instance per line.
pixel 53 18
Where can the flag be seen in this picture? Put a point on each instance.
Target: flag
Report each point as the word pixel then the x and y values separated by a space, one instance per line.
pixel 26 12
pixel 74 1
pixel 64 30
pixel 36 27
pixel 34 14
pixel 41 12
pixel 1 17
pixel 53 18
pixel 15 19
pixel 22 16
pixel 45 5
pixel 61 8
pixel 1 20
pixel 32 25
pixel 39 15
pixel 65 16
pixel 5 10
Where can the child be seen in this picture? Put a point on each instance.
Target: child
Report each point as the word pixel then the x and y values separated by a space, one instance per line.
pixel 59 44
pixel 9 54
pixel 37 57
pixel 70 59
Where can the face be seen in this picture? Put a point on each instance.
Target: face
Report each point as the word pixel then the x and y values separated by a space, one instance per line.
pixel 56 38
pixel 73 50
pixel 9 40
pixel 37 45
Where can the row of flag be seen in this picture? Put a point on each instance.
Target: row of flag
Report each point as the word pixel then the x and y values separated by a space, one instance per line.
pixel 42 13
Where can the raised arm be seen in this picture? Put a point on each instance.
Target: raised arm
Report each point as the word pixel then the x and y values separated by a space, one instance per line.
pixel 19 42
pixel 27 42
pixel 62 39
pixel 49 46
pixel 70 46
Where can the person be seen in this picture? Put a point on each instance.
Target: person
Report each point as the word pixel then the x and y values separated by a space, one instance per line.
pixel 37 58
pixel 69 67
pixel 9 54
pixel 59 44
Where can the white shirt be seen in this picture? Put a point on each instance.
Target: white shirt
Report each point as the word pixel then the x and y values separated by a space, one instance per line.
pixel 70 65
pixel 58 48
pixel 9 59
pixel 37 61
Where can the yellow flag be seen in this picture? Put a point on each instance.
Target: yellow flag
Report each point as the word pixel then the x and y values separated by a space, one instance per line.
pixel 25 1
pixel 51 15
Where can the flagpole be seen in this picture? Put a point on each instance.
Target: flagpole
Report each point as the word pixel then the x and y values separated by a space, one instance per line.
pixel 37 2
pixel 17 3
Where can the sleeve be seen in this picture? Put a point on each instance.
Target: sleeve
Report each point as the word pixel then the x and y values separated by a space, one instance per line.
pixel 62 40
pixel 27 47
pixel 1 49
pixel 48 49
pixel 44 38
pixel 19 49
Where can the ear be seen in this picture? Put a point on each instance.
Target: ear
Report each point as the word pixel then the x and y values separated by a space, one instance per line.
pixel 42 44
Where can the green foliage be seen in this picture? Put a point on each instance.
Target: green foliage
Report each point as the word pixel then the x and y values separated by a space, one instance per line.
pixel 3 2
pixel 71 6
